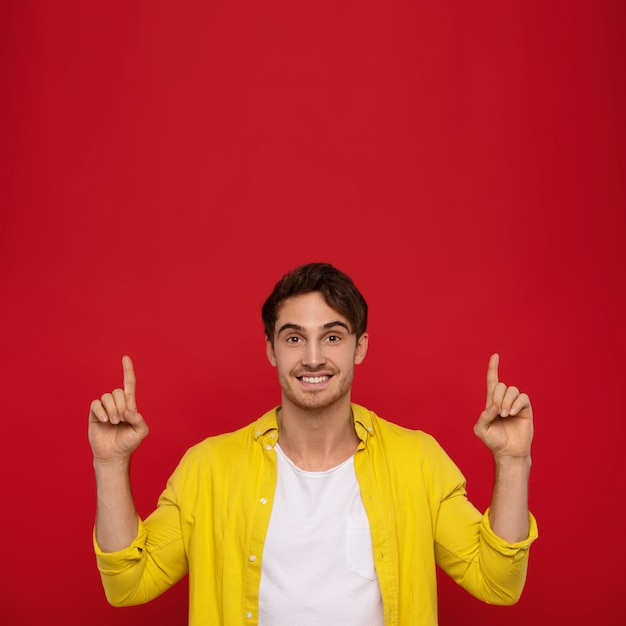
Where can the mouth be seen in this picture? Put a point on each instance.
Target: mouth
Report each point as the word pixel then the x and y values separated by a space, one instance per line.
pixel 314 380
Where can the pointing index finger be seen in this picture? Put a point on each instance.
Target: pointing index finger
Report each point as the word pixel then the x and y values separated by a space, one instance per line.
pixel 130 383
pixel 492 377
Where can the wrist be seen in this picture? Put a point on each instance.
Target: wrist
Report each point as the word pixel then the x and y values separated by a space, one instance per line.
pixel 512 465
pixel 111 465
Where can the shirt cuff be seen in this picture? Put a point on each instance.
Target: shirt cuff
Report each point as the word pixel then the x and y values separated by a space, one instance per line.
pixel 504 546
pixel 109 562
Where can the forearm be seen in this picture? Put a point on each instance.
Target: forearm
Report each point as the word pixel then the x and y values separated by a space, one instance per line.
pixel 116 516
pixel 145 556
pixel 508 514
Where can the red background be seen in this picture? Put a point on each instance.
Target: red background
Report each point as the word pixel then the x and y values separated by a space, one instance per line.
pixel 163 164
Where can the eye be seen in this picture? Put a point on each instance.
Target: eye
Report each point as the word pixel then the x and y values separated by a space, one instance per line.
pixel 293 339
pixel 333 338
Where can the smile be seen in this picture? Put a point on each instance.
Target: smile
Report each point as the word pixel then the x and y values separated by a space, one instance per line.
pixel 314 380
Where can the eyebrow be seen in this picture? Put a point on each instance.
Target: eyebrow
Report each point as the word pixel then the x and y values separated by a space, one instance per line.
pixel 300 329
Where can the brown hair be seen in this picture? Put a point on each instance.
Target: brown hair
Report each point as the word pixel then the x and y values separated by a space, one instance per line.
pixel 338 290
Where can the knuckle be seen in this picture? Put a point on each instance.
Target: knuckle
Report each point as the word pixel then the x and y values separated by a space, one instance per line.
pixel 119 397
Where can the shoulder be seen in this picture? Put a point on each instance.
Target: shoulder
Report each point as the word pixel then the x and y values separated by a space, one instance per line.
pixel 227 446
pixel 402 444
pixel 405 450
pixel 392 434
pixel 414 443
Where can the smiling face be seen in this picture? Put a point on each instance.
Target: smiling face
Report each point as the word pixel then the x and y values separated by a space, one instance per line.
pixel 315 352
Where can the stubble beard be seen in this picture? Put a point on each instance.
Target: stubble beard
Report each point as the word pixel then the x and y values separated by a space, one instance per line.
pixel 312 400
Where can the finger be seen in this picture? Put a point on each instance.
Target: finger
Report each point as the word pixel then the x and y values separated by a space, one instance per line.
pixel 499 391
pixel 130 383
pixel 492 378
pixel 521 402
pixel 96 410
pixel 119 396
pixel 511 394
pixel 109 406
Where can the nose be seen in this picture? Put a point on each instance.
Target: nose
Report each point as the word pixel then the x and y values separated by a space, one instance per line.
pixel 313 355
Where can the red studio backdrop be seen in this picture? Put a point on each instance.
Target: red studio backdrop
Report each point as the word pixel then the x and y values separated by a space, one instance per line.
pixel 163 164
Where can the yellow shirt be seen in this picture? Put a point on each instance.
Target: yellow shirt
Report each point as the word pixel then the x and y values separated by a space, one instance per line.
pixel 213 516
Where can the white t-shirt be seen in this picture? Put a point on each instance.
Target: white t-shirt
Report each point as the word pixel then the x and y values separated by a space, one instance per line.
pixel 317 566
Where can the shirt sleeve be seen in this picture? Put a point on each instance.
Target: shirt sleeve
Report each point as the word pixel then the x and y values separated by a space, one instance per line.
pixel 484 564
pixel 154 561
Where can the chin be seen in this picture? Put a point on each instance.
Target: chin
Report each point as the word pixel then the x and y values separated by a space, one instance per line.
pixel 313 403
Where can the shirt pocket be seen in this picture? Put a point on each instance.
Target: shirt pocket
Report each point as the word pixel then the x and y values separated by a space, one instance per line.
pixel 359 557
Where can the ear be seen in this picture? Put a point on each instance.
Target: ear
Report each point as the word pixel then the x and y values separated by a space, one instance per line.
pixel 269 351
pixel 361 349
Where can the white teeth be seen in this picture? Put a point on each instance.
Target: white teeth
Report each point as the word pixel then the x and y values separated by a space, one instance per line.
pixel 314 379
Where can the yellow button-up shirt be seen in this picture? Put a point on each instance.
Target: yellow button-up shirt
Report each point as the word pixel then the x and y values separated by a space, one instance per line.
pixel 212 519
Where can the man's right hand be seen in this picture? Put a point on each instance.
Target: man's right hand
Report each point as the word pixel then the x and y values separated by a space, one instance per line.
pixel 115 427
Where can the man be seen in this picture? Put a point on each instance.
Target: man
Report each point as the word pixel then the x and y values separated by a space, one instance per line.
pixel 320 512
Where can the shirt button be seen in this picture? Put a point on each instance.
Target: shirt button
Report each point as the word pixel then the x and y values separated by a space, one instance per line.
pixel 249 615
pixel 272 435
pixel 263 500
pixel 258 432
pixel 252 558
pixel 268 447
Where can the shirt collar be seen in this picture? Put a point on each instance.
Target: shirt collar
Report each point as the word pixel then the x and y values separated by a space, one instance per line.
pixel 362 422
pixel 266 423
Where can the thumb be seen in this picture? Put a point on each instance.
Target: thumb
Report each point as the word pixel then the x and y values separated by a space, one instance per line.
pixel 135 419
pixel 485 420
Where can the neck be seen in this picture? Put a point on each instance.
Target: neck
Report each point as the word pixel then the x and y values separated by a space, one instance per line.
pixel 317 440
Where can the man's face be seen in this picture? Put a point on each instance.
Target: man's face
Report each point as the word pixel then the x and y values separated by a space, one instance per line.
pixel 314 352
